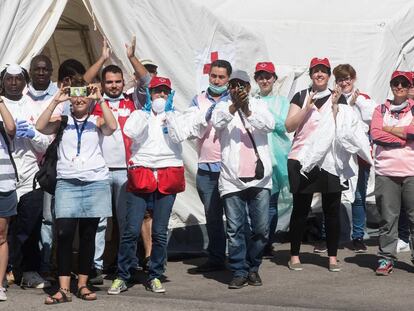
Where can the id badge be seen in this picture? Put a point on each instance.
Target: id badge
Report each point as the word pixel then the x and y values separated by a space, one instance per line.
pixel 77 162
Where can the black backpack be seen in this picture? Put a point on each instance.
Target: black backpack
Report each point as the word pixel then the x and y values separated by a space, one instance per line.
pixel 6 140
pixel 46 176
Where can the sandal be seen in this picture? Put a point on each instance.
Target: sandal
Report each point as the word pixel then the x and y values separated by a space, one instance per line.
pixel 63 299
pixel 86 296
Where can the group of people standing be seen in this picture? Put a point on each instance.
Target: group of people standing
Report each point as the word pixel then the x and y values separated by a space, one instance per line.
pixel 121 154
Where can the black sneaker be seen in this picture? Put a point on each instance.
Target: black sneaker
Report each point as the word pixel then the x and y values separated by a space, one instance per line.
pixel 96 277
pixel 254 279
pixel 238 282
pixel 209 267
pixel 320 247
pixel 359 246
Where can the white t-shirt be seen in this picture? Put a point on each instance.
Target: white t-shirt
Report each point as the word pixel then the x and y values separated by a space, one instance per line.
pixel 89 165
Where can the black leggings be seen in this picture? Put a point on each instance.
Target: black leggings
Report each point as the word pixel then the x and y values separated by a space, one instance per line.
pixel 66 228
pixel 301 206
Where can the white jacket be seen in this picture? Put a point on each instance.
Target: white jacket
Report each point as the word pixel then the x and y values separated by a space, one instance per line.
pixel 27 151
pixel 260 123
pixel 153 146
pixel 333 144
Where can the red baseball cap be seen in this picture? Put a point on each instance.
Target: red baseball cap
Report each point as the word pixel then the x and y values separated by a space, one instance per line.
pixel 265 66
pixel 319 61
pixel 406 74
pixel 157 81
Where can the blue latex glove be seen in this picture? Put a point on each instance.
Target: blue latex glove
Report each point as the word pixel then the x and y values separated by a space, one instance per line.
pixel 23 129
pixel 169 104
pixel 147 106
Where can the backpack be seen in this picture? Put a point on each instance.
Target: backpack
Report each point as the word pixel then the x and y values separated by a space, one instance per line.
pixel 6 140
pixel 46 176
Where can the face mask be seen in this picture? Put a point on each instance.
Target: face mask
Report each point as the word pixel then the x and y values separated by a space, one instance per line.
pixel 217 89
pixel 37 93
pixel 158 105
pixel 115 99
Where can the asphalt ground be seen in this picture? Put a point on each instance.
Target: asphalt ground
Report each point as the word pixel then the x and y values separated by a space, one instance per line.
pixel 356 287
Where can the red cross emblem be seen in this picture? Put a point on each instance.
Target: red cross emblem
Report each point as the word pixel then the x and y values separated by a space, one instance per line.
pixel 213 57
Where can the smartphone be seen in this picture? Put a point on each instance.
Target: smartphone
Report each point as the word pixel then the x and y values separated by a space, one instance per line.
pixel 78 91
pixel 240 87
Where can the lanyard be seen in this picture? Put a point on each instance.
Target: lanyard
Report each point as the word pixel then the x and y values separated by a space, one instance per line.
pixel 79 132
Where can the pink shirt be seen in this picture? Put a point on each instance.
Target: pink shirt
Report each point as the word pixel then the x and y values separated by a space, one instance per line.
pixel 394 156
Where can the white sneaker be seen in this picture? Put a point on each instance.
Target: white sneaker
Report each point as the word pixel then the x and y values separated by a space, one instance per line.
pixel 402 246
pixel 32 279
pixel 155 286
pixel 3 296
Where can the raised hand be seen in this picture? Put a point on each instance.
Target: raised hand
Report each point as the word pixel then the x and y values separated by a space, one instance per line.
pixel 354 97
pixel 169 105
pixel 106 51
pixel 337 92
pixel 94 91
pixel 311 100
pixel 130 49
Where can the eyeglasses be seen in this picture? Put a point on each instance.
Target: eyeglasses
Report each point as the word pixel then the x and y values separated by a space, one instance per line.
pixel 404 83
pixel 347 79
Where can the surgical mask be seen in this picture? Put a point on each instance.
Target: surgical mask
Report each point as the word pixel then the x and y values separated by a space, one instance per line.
pixel 218 89
pixel 37 93
pixel 158 105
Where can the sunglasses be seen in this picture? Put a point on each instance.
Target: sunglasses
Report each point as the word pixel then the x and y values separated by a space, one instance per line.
pixel 404 83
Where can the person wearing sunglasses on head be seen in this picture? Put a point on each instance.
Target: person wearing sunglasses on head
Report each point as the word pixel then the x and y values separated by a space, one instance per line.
pixel 392 132
pixel 279 143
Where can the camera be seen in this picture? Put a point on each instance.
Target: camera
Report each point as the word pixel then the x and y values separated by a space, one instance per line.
pixel 78 91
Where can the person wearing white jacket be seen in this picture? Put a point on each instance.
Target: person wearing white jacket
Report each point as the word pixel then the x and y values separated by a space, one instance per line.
pixel 29 146
pixel 242 125
pixel 155 176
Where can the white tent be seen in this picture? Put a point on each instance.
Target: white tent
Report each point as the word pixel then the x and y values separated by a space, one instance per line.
pixel 375 37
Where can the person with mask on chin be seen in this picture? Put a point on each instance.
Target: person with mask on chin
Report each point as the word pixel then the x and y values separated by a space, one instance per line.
pixel 29 147
pixel 209 163
pixel 306 110
pixel 115 150
pixel 155 176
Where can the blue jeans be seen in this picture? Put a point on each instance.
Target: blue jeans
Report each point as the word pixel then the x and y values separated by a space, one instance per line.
pixel 207 187
pixel 117 182
pixel 245 252
pixel 136 206
pixel 359 207
pixel 46 232
pixel 273 217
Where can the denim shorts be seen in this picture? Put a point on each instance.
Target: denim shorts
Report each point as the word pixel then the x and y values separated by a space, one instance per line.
pixel 8 204
pixel 82 199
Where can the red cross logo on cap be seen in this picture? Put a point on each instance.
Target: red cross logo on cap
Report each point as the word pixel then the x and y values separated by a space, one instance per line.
pixel 263 65
pixel 162 80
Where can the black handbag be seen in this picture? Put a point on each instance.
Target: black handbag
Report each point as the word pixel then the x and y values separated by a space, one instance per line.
pixel 259 171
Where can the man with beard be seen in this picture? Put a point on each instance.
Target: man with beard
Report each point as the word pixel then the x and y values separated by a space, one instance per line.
pixel 115 149
pixel 29 146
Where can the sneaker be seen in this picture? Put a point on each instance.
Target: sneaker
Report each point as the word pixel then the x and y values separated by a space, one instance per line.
pixel 320 247
pixel 32 279
pixel 385 267
pixel 155 286
pixel 117 287
pixel 334 267
pixel 359 246
pixel 253 278
pixel 238 282
pixel 3 296
pixel 96 277
pixel 295 266
pixel 402 246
